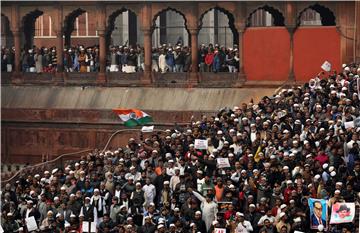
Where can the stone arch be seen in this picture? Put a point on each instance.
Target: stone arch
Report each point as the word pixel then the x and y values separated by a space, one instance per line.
pixel 111 23
pixel 153 27
pixel 327 16
pixel 69 24
pixel 7 38
pixel 278 17
pixel 231 21
pixel 28 24
pixel 165 10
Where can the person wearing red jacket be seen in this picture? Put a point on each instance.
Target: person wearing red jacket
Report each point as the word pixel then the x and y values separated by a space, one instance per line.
pixel 230 213
pixel 288 190
pixel 322 157
pixel 209 59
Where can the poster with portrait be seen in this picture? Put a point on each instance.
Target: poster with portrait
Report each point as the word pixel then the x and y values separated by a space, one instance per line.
pixel 342 213
pixel 318 213
pixel 223 206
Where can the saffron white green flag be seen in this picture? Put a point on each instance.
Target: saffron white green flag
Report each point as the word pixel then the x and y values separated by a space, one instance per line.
pixel 133 117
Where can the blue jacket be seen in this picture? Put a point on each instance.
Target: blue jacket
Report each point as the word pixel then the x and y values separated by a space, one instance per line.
pixel 315 223
pixel 170 60
pixel 216 63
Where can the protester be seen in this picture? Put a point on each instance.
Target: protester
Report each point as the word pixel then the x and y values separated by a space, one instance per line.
pixel 165 58
pixel 301 143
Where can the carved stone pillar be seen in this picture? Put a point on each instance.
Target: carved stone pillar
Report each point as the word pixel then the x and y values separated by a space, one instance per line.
pixel 146 28
pixel 194 50
pixel 242 75
pixel 290 12
pixel 101 17
pixel 194 79
pixel 291 31
pixel 16 35
pixel 15 28
pixel 147 50
pixel 59 39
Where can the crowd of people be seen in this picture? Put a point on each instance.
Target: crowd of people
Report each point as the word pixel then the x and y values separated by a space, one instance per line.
pixel 292 146
pixel 44 60
pixel 127 59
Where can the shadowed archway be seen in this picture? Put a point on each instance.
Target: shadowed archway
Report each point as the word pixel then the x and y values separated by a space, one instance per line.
pixel 69 24
pixel 164 34
pixel 7 38
pixel 327 16
pixel 131 27
pixel 230 25
pixel 277 17
pixel 28 23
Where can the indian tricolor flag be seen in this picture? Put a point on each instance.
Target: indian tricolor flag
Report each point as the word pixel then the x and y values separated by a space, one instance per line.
pixel 133 117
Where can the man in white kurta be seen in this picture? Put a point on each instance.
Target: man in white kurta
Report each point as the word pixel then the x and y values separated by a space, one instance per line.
pixel 150 192
pixel 175 179
pixel 243 225
pixel 209 209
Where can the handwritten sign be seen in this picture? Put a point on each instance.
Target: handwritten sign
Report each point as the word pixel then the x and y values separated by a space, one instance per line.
pixel 220 230
pixel 201 144
pixel 326 66
pixel 349 124
pixel 31 224
pixel 223 162
pixel 85 226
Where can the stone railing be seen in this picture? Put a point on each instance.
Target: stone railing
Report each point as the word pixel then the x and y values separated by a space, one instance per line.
pixel 41 167
pixel 208 79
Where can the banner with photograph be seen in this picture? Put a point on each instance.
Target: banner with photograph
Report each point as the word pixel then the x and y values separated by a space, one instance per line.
pixel 318 213
pixel 223 206
pixel 342 213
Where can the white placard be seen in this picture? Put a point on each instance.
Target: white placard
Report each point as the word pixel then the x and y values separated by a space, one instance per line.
pixel 220 230
pixel 1 229
pixel 31 224
pixel 349 124
pixel 223 162
pixel 201 144
pixel 85 226
pixel 147 129
pixel 281 114
pixel 326 66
